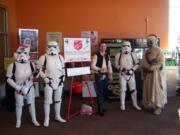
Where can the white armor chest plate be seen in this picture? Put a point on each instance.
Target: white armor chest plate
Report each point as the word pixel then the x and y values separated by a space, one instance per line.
pixel 126 61
pixel 23 72
pixel 53 67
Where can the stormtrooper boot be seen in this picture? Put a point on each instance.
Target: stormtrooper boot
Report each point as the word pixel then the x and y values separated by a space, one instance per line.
pixel 46 113
pixel 33 115
pixel 58 118
pixel 134 100
pixel 122 99
pixel 18 116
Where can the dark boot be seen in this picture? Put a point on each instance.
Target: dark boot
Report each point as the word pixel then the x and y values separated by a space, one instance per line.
pixel 100 105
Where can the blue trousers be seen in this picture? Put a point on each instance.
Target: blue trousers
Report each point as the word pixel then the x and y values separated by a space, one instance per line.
pixel 101 90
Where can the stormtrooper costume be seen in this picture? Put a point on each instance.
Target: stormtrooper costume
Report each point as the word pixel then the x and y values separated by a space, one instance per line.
pixel 22 82
pixel 51 69
pixel 127 62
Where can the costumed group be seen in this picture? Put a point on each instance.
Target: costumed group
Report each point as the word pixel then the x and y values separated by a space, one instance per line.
pixel 51 68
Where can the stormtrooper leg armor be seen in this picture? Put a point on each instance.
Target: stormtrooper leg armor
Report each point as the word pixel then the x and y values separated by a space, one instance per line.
pixel 122 92
pixel 46 113
pixel 134 99
pixel 132 87
pixel 57 105
pixel 32 112
pixel 31 102
pixel 123 96
pixel 18 115
pixel 19 105
pixel 47 101
pixel 131 84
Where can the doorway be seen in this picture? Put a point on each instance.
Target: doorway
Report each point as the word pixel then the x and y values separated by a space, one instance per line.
pixel 174 24
pixel 3 41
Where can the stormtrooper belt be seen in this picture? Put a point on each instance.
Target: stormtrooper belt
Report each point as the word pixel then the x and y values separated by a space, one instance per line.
pixel 50 81
pixel 126 71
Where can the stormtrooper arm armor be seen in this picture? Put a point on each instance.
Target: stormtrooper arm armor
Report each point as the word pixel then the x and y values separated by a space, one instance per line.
pixel 135 67
pixel 63 67
pixel 136 61
pixel 9 75
pixel 36 70
pixel 109 67
pixel 14 85
pixel 117 62
pixel 40 66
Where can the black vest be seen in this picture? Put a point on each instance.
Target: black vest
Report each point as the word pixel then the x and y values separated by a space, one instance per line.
pixel 100 60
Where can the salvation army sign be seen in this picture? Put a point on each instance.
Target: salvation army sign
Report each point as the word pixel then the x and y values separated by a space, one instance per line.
pixel 77 49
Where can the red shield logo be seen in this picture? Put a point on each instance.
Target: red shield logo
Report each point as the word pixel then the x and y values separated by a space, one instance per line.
pixel 77 44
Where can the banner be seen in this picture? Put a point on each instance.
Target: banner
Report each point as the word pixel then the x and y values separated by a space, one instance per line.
pixel 29 37
pixel 54 36
pixel 75 71
pixel 77 49
pixel 93 35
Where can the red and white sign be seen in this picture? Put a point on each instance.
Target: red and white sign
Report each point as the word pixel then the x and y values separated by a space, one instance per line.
pixel 77 44
pixel 77 49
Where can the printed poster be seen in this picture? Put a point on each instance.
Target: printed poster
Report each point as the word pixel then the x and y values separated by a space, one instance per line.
pixel 77 50
pixel 29 37
pixel 93 35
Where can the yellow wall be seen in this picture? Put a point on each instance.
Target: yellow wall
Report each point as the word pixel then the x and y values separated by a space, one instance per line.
pixel 111 18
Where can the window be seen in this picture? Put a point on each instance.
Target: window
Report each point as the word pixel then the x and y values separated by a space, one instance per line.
pixel 3 40
pixel 174 24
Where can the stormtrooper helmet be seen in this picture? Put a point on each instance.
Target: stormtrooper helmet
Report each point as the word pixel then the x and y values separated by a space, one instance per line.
pixel 52 48
pixel 152 40
pixel 126 47
pixel 22 54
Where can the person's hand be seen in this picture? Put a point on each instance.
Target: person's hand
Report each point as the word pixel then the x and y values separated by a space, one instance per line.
pixel 18 88
pixel 46 80
pixel 110 77
pixel 103 70
pixel 131 71
pixel 151 68
pixel 154 67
